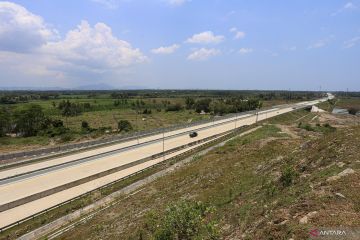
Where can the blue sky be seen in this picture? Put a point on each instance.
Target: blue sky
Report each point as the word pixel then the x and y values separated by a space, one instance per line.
pixel 202 44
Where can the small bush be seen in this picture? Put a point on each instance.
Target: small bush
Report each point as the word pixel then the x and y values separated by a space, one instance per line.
pixel 57 123
pixel 173 108
pixel 85 125
pixel 328 128
pixel 66 138
pixel 287 177
pixel 271 190
pixel 124 126
pixel 307 127
pixel 147 111
pixel 353 111
pixel 183 220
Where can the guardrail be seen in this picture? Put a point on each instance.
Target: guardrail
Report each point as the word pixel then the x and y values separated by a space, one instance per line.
pixel 218 137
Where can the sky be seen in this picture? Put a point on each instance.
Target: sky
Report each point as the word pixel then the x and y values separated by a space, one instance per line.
pixel 181 44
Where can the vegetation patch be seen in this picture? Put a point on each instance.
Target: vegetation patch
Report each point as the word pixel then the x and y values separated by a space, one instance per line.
pixel 182 220
pixel 316 128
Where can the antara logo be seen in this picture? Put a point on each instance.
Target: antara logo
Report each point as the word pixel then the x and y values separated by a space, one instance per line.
pixel 318 233
pixel 314 233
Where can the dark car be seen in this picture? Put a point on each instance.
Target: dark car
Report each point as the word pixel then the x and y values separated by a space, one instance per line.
pixel 193 134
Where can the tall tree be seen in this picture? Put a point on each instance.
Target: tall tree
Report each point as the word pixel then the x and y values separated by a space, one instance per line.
pixel 30 121
pixel 5 118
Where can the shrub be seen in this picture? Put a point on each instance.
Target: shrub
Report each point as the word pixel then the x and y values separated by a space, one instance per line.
pixel 202 105
pixel 5 117
pixel 70 109
pixel 184 220
pixel 67 137
pixel 328 128
pixel 287 176
pixel 147 111
pixel 30 121
pixel 173 108
pixel 85 125
pixel 189 102
pixel 353 111
pixel 57 123
pixel 307 127
pixel 124 126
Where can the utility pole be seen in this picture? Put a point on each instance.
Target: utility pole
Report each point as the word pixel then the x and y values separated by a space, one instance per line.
pixel 213 103
pixel 235 120
pixel 163 144
pixel 137 125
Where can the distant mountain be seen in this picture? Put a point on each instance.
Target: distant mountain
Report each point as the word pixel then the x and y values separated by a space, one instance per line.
pixel 130 87
pixel 103 86
pixel 32 89
pixel 99 86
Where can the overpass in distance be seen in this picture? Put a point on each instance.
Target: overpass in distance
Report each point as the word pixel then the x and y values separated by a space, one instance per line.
pixel 30 189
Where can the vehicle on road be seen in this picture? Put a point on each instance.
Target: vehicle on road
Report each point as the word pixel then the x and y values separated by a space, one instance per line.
pixel 193 134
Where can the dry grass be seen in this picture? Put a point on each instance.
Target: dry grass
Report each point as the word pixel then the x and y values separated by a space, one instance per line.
pixel 241 179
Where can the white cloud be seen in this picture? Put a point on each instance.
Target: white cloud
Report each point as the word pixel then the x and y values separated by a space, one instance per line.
pixel 318 44
pixel 245 50
pixel 166 50
pixel 271 53
pixel 110 4
pixel 203 54
pixel 321 43
pixel 352 42
pixel 95 48
pixel 177 3
pixel 238 34
pixel 30 50
pixel 20 30
pixel 349 6
pixel 292 48
pixel 206 38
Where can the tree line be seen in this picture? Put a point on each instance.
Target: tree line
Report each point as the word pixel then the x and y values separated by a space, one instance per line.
pixel 31 121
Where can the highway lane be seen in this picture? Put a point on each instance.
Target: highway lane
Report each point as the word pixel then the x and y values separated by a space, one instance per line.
pixel 26 187
pixel 90 155
pixel 29 209
pixel 7 176
pixel 39 183
pixel 20 189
